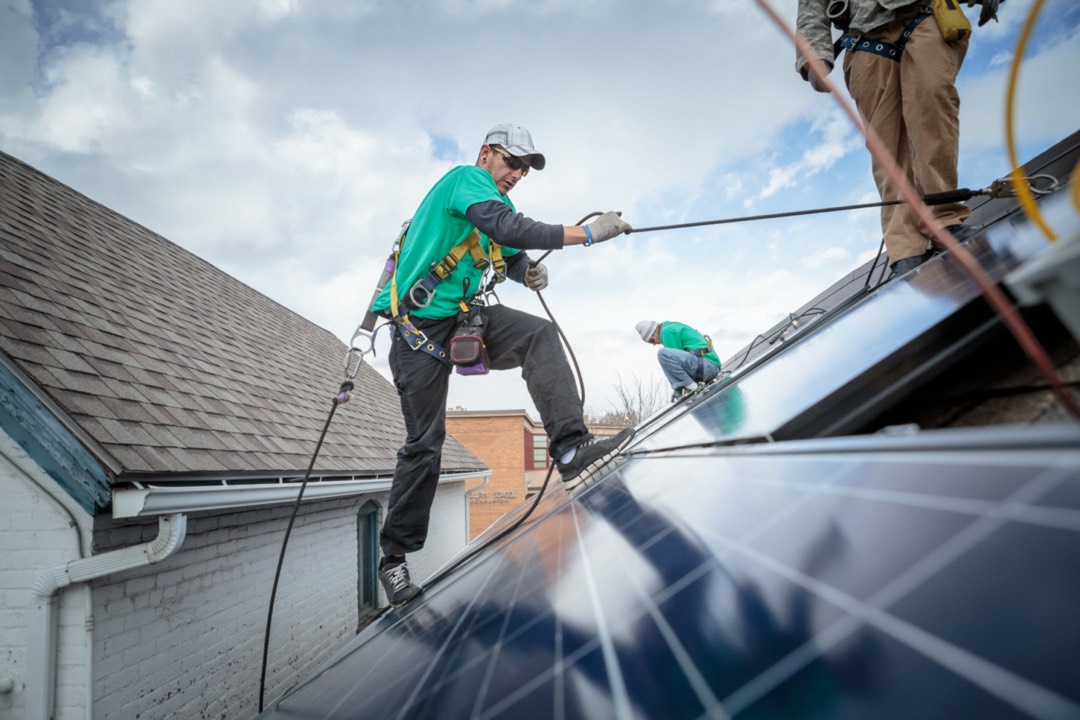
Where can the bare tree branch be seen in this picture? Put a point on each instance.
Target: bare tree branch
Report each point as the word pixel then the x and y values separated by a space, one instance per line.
pixel 637 400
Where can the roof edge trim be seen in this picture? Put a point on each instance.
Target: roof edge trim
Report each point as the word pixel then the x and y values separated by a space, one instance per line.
pixel 150 500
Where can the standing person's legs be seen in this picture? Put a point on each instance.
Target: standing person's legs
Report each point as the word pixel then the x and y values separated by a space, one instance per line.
pixel 518 339
pixel 422 383
pixel 874 84
pixel 931 106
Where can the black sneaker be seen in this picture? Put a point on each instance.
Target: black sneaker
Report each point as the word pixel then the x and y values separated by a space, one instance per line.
pixel 906 265
pixel 591 455
pixel 397 584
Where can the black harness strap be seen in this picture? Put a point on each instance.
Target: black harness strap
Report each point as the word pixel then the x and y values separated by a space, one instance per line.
pixel 417 340
pixel 892 51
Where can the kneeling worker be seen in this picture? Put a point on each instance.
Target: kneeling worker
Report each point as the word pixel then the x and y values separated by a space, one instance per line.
pixel 687 357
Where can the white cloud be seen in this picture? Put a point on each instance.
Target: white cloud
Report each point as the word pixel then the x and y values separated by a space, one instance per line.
pixel 285 141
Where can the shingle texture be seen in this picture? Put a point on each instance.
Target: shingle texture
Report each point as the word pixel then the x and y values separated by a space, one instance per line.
pixel 170 364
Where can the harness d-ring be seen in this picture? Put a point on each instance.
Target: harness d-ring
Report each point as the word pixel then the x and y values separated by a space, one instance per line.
pixel 429 295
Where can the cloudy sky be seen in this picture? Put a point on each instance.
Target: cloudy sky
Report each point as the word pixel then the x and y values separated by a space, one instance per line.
pixel 285 141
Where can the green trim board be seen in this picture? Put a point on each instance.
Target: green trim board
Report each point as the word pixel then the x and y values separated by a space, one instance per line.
pixel 52 446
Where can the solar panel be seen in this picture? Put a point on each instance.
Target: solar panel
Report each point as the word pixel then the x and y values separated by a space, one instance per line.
pixel 913 581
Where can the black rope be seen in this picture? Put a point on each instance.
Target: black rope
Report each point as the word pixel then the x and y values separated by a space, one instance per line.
pixel 343 393
pixel 770 216
pixel 931 199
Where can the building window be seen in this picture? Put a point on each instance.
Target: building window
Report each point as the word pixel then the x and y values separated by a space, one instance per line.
pixel 367 560
pixel 539 451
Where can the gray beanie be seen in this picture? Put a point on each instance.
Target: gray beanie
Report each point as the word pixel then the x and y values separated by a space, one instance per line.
pixel 646 328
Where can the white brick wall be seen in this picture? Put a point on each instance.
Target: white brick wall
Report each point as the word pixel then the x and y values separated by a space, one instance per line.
pixel 186 640
pixel 35 536
pixel 183 638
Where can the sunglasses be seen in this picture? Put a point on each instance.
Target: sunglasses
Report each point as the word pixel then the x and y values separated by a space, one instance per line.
pixel 512 161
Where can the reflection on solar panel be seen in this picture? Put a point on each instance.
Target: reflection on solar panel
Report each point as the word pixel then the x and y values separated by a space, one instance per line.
pixel 872 581
pixel 745 560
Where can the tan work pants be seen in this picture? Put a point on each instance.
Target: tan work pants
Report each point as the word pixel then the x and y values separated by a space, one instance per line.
pixel 914 107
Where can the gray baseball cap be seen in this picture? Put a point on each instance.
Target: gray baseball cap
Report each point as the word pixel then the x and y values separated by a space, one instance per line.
pixel 517 141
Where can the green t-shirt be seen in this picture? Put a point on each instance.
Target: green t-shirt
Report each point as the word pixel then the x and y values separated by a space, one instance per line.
pixel 677 336
pixel 438 225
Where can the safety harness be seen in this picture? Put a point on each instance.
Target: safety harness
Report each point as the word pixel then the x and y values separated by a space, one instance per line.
pixel 702 352
pixel 892 51
pixel 422 291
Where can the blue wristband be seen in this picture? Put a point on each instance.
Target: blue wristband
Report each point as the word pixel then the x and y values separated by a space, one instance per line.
pixel 588 235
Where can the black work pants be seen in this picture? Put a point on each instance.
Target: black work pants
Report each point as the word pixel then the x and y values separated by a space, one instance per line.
pixel 513 339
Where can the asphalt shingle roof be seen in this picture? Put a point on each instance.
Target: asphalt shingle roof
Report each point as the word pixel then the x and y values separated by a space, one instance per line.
pixel 172 365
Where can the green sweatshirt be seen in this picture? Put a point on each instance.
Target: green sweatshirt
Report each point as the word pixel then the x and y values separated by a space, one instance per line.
pixel 677 336
pixel 438 225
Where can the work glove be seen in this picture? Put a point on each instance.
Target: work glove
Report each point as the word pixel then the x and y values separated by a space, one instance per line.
pixel 989 10
pixel 608 226
pixel 536 278
pixel 810 78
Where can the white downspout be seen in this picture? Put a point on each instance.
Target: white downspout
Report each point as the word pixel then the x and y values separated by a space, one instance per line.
pixel 41 635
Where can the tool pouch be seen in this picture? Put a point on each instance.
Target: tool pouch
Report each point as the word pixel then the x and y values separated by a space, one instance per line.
pixel 467 350
pixel 951 19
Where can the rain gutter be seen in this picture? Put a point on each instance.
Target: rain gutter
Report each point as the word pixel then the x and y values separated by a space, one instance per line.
pixel 147 499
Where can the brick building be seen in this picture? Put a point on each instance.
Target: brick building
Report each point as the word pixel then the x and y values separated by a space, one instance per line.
pixel 515 449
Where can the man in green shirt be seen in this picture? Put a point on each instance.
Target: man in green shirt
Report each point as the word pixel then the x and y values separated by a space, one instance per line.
pixel 470 204
pixel 687 357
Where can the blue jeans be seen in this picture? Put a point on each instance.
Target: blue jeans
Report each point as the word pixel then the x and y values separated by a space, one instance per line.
pixel 514 339
pixel 684 369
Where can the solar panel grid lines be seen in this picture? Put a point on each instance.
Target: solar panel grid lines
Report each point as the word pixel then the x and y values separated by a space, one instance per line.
pixel 443 658
pixel 616 683
pixel 1064 518
pixel 1037 701
pixel 481 696
pixel 555 600
pixel 711 705
pixel 1011 688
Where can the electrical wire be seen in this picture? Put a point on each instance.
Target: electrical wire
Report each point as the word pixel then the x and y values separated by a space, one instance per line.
pixel 1023 194
pixel 993 294
pixel 772 337
pixel 342 397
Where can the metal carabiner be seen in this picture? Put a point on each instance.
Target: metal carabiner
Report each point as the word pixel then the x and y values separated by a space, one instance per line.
pixel 1006 187
pixel 1053 185
pixel 359 353
pixel 429 295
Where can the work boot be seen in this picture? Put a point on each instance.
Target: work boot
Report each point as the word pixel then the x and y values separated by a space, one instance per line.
pixel 959 231
pixel 906 265
pixel 591 455
pixel 680 393
pixel 397 583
